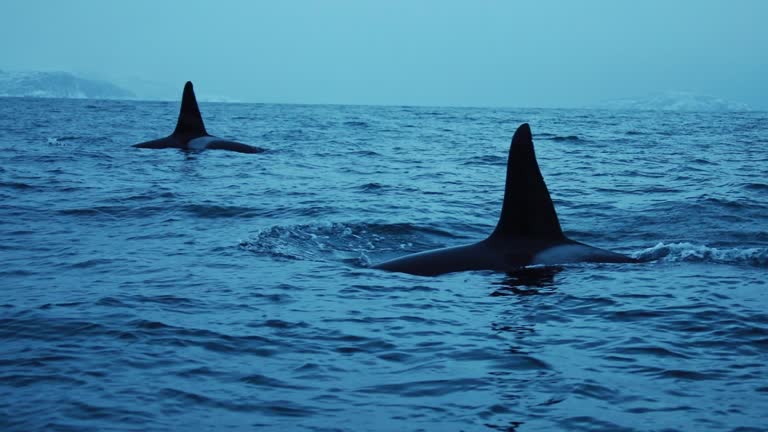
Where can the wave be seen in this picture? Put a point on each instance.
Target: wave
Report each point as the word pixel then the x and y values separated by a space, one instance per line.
pixel 688 252
pixel 559 138
pixel 15 185
pixel 112 211
pixel 203 211
pixel 756 186
pixel 213 211
pixel 731 203
pixel 372 187
pixel 365 152
pixel 73 140
pixel 570 138
pixel 54 140
pixel 492 160
pixel 360 124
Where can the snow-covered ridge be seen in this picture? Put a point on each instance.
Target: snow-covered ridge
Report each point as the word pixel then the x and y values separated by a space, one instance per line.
pixel 58 85
pixel 676 101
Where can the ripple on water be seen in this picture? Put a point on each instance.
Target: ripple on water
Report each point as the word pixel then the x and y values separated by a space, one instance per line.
pixel 290 331
pixel 432 388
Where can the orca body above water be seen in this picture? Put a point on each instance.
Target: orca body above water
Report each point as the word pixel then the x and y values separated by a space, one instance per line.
pixel 190 133
pixel 528 231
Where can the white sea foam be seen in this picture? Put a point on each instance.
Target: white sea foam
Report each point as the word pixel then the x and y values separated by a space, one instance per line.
pixel 689 252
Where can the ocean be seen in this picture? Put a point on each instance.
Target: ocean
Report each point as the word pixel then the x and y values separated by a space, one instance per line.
pixel 156 290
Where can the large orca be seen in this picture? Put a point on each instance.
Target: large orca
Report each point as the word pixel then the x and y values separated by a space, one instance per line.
pixel 528 232
pixel 190 131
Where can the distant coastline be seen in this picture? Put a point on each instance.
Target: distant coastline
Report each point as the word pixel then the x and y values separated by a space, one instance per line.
pixel 66 85
pixel 58 85
pixel 675 101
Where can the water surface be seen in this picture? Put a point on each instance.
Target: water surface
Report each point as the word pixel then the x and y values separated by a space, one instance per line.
pixel 163 290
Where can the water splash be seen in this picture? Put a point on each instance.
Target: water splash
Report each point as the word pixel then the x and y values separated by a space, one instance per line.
pixel 689 252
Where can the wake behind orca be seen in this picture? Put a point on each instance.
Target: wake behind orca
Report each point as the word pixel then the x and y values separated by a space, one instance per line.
pixel 528 231
pixel 190 133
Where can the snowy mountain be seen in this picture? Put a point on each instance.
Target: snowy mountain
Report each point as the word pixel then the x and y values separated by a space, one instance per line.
pixel 58 85
pixel 676 101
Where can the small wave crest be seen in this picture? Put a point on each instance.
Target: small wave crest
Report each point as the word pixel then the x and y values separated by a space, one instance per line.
pixel 213 211
pixel 310 242
pixel 560 138
pixel 372 187
pixel 486 160
pixel 756 186
pixel 356 123
pixel 572 138
pixel 15 185
pixel 72 141
pixel 61 141
pixel 688 252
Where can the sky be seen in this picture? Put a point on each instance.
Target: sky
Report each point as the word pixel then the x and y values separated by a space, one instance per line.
pixel 542 53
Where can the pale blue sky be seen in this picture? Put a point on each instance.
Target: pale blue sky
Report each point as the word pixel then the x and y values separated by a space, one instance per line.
pixel 429 52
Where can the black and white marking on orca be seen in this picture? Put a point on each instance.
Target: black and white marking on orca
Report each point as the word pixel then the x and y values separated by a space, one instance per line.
pixel 190 133
pixel 528 231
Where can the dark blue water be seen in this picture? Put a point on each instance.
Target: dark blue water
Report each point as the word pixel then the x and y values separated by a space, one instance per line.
pixel 160 290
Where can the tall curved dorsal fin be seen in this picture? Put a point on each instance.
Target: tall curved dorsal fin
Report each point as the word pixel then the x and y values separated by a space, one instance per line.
pixel 527 210
pixel 190 121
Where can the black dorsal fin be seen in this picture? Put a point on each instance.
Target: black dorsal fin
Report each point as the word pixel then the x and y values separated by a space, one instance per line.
pixel 527 210
pixel 190 121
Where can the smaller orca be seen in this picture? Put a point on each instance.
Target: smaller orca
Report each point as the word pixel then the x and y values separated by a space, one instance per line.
pixel 528 231
pixel 190 131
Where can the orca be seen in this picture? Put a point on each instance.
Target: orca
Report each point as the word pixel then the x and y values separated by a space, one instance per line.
pixel 528 232
pixel 190 133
